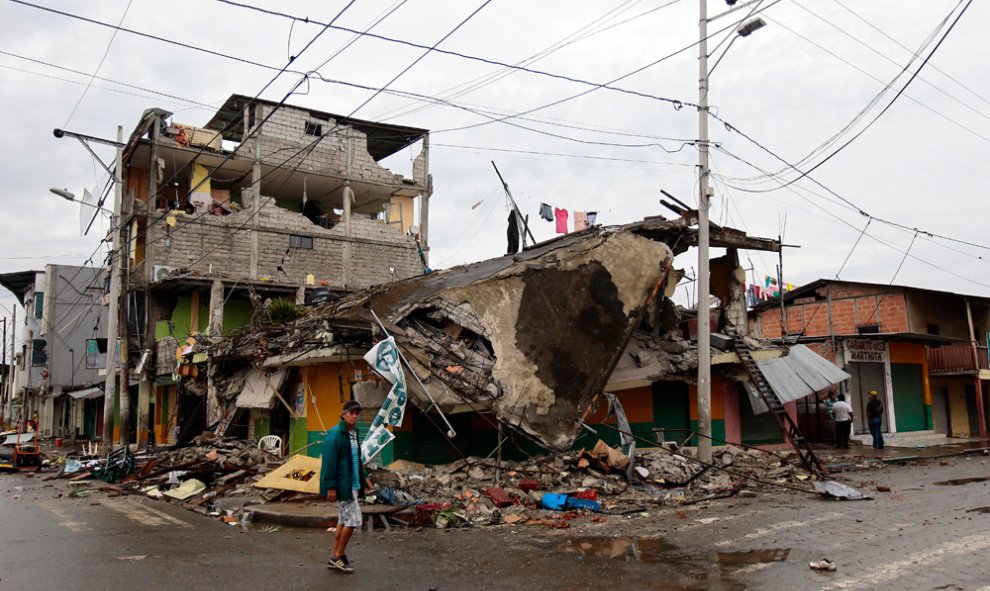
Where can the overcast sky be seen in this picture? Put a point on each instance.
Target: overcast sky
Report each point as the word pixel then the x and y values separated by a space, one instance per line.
pixel 789 87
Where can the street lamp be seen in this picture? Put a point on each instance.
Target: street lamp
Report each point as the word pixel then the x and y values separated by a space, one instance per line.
pixel 70 196
pixel 704 195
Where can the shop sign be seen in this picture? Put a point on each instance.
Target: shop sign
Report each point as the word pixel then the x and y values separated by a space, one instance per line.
pixel 865 351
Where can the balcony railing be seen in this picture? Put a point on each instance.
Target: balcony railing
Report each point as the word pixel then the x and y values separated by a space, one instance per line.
pixel 954 359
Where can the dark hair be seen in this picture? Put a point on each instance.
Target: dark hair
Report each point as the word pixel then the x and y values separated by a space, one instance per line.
pixel 842 396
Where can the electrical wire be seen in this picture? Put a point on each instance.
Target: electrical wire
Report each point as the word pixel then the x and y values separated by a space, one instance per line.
pixel 99 65
pixel 878 115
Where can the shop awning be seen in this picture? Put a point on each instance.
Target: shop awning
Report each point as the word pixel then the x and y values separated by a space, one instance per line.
pixel 87 393
pixel 800 373
pixel 260 387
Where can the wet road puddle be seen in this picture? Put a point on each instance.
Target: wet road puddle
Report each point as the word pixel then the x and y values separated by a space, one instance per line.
pixel 751 557
pixel 961 481
pixel 656 550
pixel 629 549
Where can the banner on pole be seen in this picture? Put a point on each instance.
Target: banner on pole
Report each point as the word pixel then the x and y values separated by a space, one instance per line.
pixel 384 359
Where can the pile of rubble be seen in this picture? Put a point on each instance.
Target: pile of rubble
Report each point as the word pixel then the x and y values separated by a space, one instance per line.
pixel 213 476
pixel 220 477
pixel 475 491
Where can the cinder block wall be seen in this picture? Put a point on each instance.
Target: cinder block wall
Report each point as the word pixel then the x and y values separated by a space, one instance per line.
pixel 284 142
pixel 222 245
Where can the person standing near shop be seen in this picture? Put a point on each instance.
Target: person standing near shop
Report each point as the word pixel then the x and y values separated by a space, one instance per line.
pixel 343 480
pixel 874 416
pixel 843 414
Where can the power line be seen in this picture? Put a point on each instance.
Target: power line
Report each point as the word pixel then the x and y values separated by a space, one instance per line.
pixel 878 115
pixel 307 149
pixel 905 48
pixel 95 77
pixel 915 54
pixel 99 65
pixel 846 223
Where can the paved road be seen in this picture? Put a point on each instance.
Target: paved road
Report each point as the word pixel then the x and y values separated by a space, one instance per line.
pixel 918 536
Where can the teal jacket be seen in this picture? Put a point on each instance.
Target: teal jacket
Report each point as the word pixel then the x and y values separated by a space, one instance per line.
pixel 336 471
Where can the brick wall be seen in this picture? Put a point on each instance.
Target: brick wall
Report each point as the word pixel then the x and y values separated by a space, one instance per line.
pixel 852 306
pixel 284 142
pixel 222 245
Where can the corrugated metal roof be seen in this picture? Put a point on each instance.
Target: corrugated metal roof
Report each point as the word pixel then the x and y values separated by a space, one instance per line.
pixel 259 388
pixel 800 373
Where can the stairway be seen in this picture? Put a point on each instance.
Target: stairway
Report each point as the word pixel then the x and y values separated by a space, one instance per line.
pixel 787 425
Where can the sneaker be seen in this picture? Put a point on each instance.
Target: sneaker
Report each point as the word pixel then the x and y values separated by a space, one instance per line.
pixel 339 564
pixel 345 559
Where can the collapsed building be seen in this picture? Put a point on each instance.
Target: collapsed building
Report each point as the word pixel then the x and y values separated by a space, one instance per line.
pixel 516 348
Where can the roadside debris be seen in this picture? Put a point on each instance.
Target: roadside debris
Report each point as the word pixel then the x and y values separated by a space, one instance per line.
pixel 831 488
pixel 823 564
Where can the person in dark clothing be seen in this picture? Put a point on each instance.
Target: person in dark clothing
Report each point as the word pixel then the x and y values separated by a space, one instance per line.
pixel 874 416
pixel 343 480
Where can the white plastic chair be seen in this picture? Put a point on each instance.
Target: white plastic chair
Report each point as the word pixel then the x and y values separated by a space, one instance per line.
pixel 271 444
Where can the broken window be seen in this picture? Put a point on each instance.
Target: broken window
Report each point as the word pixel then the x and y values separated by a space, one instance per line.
pixel 296 241
pixel 314 129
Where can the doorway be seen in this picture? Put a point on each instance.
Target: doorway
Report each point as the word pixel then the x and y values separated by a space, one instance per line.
pixel 866 377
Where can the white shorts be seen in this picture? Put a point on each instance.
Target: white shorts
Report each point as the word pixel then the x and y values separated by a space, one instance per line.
pixel 350 513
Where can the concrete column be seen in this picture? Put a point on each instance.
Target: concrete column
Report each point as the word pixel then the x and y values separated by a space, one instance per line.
pixel 216 308
pixel 424 203
pixel 348 195
pixel 144 403
pixel 256 196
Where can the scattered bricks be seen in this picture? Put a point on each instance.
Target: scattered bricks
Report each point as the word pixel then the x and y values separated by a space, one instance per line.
pixel 499 496
pixel 529 484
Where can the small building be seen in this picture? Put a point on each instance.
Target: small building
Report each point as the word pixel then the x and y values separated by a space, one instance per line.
pixel 924 351
pixel 58 378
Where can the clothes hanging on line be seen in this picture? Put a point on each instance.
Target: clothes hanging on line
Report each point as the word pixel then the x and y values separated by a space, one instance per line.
pixel 561 215
pixel 546 212
pixel 592 216
pixel 580 221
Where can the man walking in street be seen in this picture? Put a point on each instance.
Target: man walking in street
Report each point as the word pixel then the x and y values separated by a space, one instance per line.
pixel 343 480
pixel 843 422
pixel 874 416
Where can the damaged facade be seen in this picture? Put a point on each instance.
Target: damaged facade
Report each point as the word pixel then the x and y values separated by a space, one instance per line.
pixel 521 346
pixel 263 202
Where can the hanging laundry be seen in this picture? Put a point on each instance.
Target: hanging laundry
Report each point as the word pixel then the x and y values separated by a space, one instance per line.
pixel 580 221
pixel 561 215
pixel 513 234
pixel 546 212
pixel 592 217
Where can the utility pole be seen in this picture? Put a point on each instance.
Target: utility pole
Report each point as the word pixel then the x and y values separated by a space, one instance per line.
pixel 116 263
pixel 13 354
pixel 7 372
pixel 704 385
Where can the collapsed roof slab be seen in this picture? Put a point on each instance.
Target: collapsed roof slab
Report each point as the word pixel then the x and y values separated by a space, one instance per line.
pixel 533 337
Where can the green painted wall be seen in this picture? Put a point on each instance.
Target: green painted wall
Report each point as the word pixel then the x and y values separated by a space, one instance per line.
pixel 929 419
pixel 298 435
pixel 236 313
pixel 316 439
pixel 909 406
pixel 262 427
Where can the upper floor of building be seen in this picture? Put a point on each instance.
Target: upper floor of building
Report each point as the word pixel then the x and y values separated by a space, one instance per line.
pixel 274 193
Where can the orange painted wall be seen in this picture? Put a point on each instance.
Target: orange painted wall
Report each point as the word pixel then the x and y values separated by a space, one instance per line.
pixel 637 402
pixel 718 399
pixel 325 382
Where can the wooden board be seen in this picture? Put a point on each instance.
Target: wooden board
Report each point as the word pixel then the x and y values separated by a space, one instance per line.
pixel 300 474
